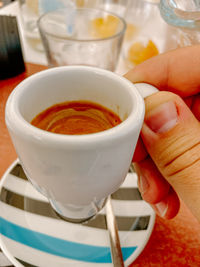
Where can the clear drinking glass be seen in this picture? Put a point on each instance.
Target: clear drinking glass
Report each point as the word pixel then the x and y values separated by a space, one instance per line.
pixel 147 34
pixel 82 36
pixel 184 15
pixel 118 7
pixel 31 10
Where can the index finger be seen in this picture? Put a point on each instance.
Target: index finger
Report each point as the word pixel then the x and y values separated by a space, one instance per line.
pixel 177 71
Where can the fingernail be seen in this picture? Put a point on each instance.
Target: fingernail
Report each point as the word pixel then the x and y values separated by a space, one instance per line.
pixel 161 208
pixel 142 183
pixel 163 118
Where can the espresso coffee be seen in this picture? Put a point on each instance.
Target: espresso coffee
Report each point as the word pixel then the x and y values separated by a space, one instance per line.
pixel 76 118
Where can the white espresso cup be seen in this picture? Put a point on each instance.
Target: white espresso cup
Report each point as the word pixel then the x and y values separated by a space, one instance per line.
pixel 76 172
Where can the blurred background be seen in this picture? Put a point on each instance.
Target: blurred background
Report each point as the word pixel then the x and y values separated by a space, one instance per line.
pixel 5 2
pixel 152 27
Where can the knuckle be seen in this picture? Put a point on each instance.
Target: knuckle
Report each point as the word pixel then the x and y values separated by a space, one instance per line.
pixel 183 162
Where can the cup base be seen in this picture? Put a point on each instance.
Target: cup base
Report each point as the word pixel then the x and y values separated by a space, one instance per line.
pixel 71 220
pixel 77 214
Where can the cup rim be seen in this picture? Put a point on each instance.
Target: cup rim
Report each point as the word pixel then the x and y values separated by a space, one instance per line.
pixel 121 32
pixel 17 123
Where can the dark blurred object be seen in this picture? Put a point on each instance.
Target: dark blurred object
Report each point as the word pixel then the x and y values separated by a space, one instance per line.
pixel 5 2
pixel 11 58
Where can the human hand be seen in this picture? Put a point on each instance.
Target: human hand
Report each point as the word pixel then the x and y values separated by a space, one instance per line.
pixel 167 156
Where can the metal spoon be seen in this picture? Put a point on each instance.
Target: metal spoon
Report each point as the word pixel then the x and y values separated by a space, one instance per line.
pixel 116 251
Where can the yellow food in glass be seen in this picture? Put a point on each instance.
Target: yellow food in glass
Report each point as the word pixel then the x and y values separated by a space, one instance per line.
pixel 104 27
pixel 80 3
pixel 131 30
pixel 138 52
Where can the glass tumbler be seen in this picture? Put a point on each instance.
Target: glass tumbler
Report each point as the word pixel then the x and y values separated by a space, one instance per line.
pixel 147 34
pixel 184 16
pixel 82 36
pixel 118 7
pixel 31 10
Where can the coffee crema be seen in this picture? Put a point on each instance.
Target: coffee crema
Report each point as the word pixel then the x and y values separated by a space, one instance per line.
pixel 76 118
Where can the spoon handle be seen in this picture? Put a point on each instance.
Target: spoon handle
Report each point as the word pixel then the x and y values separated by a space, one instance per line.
pixel 116 251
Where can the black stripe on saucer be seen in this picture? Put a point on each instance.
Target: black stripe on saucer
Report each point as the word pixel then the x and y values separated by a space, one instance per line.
pixel 26 264
pixel 18 171
pixel 42 208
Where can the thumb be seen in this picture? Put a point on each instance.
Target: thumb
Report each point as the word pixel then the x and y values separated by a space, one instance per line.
pixel 171 134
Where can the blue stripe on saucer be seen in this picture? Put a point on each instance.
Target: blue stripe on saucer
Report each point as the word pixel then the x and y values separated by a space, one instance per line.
pixel 59 247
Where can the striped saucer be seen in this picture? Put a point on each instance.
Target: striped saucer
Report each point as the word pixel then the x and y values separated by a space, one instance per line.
pixel 31 234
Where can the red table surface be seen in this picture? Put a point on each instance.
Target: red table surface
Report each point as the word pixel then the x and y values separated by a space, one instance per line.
pixel 172 243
